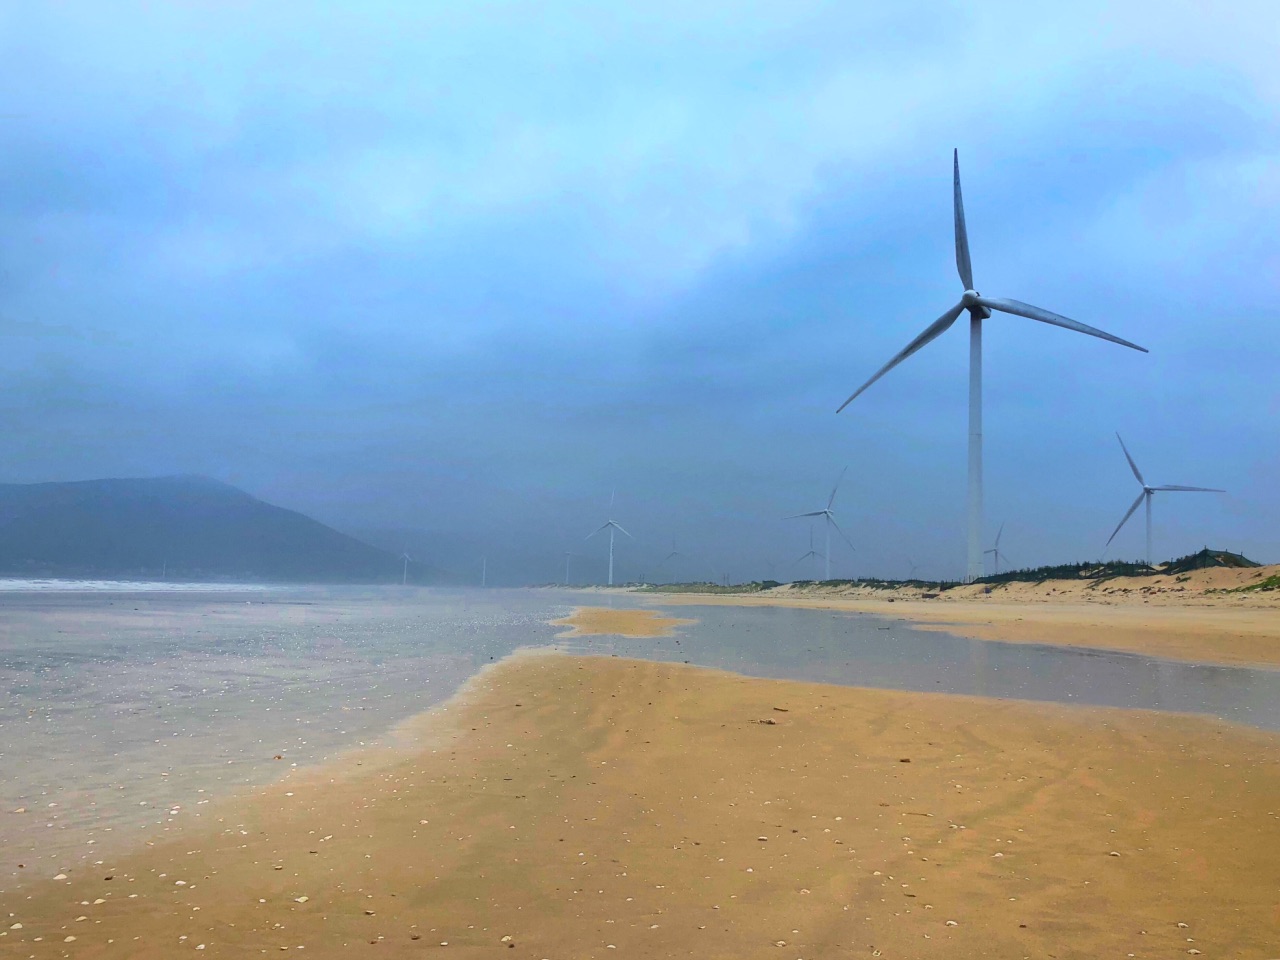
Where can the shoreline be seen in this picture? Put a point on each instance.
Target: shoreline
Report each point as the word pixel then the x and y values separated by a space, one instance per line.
pixel 570 803
pixel 1232 636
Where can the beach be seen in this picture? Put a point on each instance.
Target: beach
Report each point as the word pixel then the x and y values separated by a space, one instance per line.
pixel 1192 617
pixel 601 806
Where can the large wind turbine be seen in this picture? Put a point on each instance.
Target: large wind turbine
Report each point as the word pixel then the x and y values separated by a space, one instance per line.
pixel 979 308
pixel 830 520
pixel 404 575
pixel 1147 493
pixel 611 526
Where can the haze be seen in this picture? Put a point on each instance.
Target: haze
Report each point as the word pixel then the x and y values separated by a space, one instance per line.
pixel 452 274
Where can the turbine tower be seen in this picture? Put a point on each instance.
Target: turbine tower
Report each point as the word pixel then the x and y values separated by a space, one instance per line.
pixel 612 526
pixel 830 520
pixel 996 555
pixel 979 308
pixel 1147 493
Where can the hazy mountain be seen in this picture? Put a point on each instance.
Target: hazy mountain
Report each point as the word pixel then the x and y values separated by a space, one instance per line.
pixel 179 527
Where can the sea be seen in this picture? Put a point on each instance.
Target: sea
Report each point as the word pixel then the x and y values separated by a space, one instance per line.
pixel 128 707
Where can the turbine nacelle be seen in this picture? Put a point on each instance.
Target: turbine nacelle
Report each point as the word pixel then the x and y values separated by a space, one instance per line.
pixel 971 301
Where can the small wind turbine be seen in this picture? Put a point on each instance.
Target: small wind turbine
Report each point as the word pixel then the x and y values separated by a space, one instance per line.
pixel 914 567
pixel 404 574
pixel 567 555
pixel 484 571
pixel 1147 493
pixel 830 520
pixel 611 526
pixel 979 308
pixel 996 555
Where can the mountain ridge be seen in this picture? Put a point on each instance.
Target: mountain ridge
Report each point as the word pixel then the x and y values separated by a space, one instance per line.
pixel 186 526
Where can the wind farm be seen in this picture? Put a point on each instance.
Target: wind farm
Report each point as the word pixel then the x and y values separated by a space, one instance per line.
pixel 310 313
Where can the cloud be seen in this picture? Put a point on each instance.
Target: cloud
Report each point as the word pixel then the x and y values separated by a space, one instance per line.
pixel 516 253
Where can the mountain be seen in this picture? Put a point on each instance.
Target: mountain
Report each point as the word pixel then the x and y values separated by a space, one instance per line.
pixel 185 528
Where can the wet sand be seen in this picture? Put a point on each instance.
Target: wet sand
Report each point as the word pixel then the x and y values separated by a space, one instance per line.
pixel 602 807
pixel 1230 634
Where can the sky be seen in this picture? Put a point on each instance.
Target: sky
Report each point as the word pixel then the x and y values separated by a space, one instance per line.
pixel 460 275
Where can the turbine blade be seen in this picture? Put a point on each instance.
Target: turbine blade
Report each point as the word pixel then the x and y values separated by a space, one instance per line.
pixel 832 521
pixel 832 499
pixel 931 332
pixel 601 529
pixel 619 526
pixel 998 532
pixel 1020 309
pixel 1132 466
pixel 1179 489
pixel 816 513
pixel 962 234
pixel 1137 503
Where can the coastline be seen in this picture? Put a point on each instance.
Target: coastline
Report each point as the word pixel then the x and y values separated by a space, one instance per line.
pixel 1233 635
pixel 584 805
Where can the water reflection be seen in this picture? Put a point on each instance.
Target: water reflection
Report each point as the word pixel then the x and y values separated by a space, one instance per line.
pixel 862 650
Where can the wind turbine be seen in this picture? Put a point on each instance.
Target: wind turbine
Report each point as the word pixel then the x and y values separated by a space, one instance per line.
pixel 812 552
pixel 979 308
pixel 997 556
pixel 404 555
pixel 830 520
pixel 612 526
pixel 1147 493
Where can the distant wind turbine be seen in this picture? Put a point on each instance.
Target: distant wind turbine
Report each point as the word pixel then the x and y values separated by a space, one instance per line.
pixel 812 552
pixel 404 555
pixel 1147 493
pixel 979 308
pixel 830 520
pixel 662 565
pixel 996 555
pixel 484 571
pixel 612 526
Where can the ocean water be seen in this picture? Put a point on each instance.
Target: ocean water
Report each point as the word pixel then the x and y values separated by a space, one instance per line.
pixel 127 710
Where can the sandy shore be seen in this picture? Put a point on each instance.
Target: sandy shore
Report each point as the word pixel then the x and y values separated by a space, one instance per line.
pixel 601 807
pixel 1242 632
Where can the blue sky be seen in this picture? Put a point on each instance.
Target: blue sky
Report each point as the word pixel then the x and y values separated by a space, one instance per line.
pixel 465 269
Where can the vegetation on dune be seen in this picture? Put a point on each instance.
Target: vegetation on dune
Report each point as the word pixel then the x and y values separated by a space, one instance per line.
pixel 1099 570
pixel 1096 572
pixel 1270 583
pixel 707 586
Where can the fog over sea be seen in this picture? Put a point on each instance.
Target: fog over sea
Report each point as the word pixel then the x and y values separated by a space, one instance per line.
pixel 130 707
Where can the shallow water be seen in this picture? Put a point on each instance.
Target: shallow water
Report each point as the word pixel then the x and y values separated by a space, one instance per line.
pixel 128 712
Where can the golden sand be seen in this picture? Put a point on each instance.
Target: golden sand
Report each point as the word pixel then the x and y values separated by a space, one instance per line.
pixel 597 621
pixel 599 807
